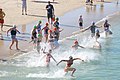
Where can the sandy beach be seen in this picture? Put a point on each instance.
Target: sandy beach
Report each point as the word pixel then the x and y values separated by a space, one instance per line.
pixel 36 11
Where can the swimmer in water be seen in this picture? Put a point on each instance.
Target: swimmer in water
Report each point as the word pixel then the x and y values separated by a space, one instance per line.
pixel 76 45
pixel 48 57
pixel 69 64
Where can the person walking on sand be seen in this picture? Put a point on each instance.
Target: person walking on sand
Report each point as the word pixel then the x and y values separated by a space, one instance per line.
pixel 48 57
pixel 24 7
pixel 69 64
pixel 2 15
pixel 13 32
pixel 81 22
pixel 50 11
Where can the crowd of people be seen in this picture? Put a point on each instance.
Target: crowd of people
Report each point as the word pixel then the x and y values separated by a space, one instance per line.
pixel 51 33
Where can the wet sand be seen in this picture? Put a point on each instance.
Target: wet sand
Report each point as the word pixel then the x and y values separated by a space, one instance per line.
pixel 33 15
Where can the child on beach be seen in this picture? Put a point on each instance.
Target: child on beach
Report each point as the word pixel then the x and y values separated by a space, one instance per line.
pixel 76 45
pixel 2 15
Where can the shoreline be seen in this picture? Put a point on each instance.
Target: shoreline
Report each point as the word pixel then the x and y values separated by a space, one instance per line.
pixel 7 52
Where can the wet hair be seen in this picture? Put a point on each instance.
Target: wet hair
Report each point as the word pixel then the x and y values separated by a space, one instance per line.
pixel 50 50
pixel 49 2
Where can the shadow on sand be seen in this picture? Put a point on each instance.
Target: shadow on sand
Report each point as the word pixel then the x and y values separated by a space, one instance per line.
pixel 36 15
pixel 45 2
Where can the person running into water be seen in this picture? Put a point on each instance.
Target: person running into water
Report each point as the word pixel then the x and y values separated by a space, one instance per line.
pixel 24 7
pixel 2 15
pixel 34 35
pixel 76 45
pixel 46 28
pixel 81 22
pixel 69 64
pixel 13 32
pixel 50 11
pixel 51 39
pixel 92 29
pixel 48 57
pixel 39 27
pixel 39 39
pixel 107 28
pixel 97 34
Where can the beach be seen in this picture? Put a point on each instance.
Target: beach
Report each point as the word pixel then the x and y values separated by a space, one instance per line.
pixel 36 11
pixel 28 64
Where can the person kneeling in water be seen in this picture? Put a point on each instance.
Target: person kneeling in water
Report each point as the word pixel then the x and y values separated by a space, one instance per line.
pixel 69 64
pixel 76 45
pixel 48 57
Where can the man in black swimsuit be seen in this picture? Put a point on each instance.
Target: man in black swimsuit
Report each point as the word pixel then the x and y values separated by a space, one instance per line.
pixel 50 11
pixel 13 32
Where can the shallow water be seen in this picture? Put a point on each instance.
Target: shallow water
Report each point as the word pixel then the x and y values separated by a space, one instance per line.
pixel 99 64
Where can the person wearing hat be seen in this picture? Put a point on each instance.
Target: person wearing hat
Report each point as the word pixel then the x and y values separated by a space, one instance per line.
pixel 76 45
pixel 39 39
pixel 13 32
pixel 50 11
pixel 34 34
pixel 46 28
pixel 39 26
pixel 69 64
pixel 2 15
pixel 92 29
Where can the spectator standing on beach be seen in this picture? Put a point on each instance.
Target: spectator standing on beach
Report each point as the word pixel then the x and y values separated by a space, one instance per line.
pixel 13 32
pixel 50 11
pixel 24 7
pixel 81 22
pixel 2 15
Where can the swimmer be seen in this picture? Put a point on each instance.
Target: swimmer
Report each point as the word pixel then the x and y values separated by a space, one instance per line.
pixel 48 57
pixel 97 34
pixel 69 64
pixel 97 45
pixel 107 28
pixel 76 45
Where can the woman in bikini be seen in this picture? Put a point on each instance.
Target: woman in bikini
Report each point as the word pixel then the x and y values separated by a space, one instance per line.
pixel 69 64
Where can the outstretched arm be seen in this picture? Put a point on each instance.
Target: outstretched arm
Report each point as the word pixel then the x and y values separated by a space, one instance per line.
pixel 62 61
pixel 53 58
pixel 81 46
pixel 8 31
pixel 78 59
pixel 18 31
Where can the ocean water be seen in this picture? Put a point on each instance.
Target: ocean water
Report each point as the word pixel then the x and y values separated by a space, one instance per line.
pixel 99 64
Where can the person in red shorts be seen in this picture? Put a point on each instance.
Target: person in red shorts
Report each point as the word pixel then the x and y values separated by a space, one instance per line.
pixel 2 15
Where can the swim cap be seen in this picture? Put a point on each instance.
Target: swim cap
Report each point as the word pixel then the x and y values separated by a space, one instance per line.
pixel 39 35
pixel 97 30
pixel 57 18
pixel 40 21
pixel 49 31
pixel 14 26
pixel 93 23
pixel 55 29
pixel 70 57
pixel 35 27
pixel 46 24
pixel 76 42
